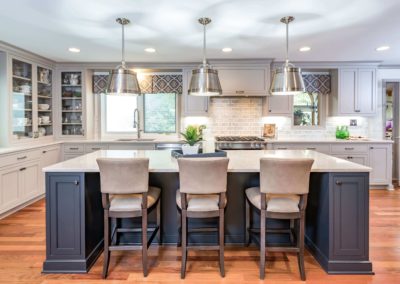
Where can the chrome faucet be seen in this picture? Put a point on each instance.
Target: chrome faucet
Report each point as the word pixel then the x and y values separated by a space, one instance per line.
pixel 136 122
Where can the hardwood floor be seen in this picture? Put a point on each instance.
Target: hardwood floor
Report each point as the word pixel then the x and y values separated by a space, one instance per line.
pixel 22 251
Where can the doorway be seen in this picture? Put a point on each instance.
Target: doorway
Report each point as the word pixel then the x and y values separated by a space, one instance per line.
pixel 391 120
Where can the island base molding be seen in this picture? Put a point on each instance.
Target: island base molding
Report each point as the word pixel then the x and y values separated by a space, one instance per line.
pixel 337 219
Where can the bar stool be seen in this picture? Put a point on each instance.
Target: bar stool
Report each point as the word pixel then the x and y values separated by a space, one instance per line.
pixel 126 194
pixel 284 185
pixel 201 194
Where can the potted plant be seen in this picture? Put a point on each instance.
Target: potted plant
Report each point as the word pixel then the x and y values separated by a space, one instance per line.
pixel 192 135
pixel 297 116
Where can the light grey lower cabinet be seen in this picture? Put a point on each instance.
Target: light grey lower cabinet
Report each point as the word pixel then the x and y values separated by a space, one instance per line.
pixel 380 160
pixel 49 156
pixel 133 146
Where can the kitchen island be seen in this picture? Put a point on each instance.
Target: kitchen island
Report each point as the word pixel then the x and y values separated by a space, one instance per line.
pixel 337 218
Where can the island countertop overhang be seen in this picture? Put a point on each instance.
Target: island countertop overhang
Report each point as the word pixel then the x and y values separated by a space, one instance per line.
pixel 240 161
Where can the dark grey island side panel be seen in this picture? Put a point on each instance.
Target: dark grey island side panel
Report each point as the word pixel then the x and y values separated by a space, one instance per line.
pixel 337 219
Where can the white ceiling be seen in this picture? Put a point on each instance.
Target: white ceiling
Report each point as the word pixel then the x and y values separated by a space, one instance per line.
pixel 336 30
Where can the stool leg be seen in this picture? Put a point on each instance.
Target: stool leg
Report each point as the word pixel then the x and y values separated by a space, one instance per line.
pixel 159 233
pixel 179 242
pixel 262 243
pixel 106 244
pixel 300 254
pixel 221 232
pixel 248 224
pixel 291 231
pixel 144 241
pixel 184 242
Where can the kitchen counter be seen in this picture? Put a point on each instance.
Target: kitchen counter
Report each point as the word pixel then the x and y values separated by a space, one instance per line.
pixel 337 215
pixel 328 140
pixel 240 161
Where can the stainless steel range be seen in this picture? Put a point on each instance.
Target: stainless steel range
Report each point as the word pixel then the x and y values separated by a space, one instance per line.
pixel 240 143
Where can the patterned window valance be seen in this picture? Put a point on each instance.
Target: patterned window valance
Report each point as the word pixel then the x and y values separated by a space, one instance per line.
pixel 317 83
pixel 149 84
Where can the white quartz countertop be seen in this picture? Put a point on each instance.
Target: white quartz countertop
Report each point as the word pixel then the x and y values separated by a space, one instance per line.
pixel 327 140
pixel 240 161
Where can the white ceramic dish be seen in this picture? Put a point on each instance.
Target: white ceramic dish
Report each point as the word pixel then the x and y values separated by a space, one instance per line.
pixel 44 106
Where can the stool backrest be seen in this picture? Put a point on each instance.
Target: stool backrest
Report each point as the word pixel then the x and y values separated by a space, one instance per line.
pixel 285 176
pixel 203 175
pixel 124 175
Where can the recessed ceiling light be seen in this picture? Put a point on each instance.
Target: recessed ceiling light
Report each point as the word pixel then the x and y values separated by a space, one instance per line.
pixel 74 49
pixel 304 48
pixel 227 49
pixel 382 48
pixel 150 50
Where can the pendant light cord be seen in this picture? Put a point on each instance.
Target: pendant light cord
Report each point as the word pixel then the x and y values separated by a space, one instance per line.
pixel 204 45
pixel 123 46
pixel 287 43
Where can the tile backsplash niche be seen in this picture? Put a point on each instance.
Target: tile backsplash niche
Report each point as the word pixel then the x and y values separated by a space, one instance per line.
pixel 243 116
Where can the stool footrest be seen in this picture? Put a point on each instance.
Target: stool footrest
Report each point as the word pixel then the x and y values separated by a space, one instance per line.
pixel 203 247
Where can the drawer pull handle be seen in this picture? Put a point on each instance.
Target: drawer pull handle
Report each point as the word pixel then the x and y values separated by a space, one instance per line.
pixel 22 158
pixel 74 148
pixel 270 110
pixel 282 148
pixel 338 182
pixel 44 152
pixel 96 148
pixel 349 148
pixel 357 110
pixel 239 92
pixel 311 148
pixel 371 148
pixel 22 169
pixel 76 182
pixel 349 157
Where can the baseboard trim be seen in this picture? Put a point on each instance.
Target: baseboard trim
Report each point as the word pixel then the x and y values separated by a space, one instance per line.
pixel 21 206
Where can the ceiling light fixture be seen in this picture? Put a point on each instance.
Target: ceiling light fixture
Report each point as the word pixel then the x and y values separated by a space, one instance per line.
pixel 287 80
pixel 204 81
pixel 304 48
pixel 382 48
pixel 227 49
pixel 74 49
pixel 123 81
pixel 150 50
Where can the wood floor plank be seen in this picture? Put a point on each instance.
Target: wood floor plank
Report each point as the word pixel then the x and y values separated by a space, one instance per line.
pixel 22 252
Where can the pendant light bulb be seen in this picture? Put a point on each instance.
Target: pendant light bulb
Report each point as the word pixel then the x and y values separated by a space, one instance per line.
pixel 122 81
pixel 204 81
pixel 288 79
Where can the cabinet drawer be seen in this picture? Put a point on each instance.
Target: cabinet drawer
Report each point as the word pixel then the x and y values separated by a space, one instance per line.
pixel 358 159
pixel 349 148
pixel 322 148
pixel 73 148
pixel 19 158
pixel 89 148
pixel 133 146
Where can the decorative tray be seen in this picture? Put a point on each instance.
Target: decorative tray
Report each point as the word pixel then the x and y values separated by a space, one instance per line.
pixel 218 153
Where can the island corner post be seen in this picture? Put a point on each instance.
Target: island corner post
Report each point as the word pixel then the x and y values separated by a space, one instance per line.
pixel 337 219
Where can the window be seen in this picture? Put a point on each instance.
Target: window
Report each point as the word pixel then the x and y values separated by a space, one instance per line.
pixel 308 109
pixel 160 113
pixel 119 113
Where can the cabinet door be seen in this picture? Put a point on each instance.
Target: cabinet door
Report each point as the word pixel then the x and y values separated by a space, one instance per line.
pixel 194 105
pixel 278 105
pixel 366 91
pixel 133 146
pixel 380 160
pixel 347 91
pixel 29 181
pixel 9 185
pixel 243 81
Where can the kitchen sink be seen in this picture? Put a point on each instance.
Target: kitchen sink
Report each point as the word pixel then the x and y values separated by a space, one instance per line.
pixel 135 139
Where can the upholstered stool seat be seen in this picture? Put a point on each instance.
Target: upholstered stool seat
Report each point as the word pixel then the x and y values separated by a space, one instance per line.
pixel 133 202
pixel 288 203
pixel 199 202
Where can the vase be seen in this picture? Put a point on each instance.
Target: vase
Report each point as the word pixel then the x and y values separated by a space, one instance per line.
pixel 190 150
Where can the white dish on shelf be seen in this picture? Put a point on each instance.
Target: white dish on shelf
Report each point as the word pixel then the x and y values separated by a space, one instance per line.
pixel 43 106
pixel 42 131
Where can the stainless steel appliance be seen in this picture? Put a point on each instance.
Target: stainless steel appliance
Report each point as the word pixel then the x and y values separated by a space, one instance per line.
pixel 240 143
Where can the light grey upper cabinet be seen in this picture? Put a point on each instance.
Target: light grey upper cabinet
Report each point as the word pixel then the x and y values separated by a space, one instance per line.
pixel 278 105
pixel 193 105
pixel 244 81
pixel 356 94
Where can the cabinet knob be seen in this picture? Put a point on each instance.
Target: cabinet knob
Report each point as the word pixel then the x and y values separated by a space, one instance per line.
pixel 338 182
pixel 269 110
pixel 44 152
pixel 76 182
pixel 371 148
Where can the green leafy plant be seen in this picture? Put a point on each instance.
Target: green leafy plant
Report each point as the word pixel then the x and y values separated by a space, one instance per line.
pixel 193 134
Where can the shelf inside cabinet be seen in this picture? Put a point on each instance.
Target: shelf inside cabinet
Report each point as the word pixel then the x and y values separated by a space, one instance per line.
pixel 22 78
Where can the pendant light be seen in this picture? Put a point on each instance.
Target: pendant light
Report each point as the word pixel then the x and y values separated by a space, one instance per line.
pixel 205 81
pixel 287 80
pixel 123 81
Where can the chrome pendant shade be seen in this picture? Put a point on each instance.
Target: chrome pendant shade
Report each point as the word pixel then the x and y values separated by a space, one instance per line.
pixel 288 79
pixel 205 80
pixel 123 81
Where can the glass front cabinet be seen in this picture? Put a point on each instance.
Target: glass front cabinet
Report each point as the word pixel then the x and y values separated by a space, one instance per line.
pixel 31 100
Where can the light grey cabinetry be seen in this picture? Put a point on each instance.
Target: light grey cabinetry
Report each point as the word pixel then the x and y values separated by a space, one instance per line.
pixel 49 155
pixel 278 105
pixel 318 147
pixel 380 160
pixel 133 146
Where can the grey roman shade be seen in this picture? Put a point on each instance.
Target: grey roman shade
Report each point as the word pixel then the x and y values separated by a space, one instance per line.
pixel 317 83
pixel 149 84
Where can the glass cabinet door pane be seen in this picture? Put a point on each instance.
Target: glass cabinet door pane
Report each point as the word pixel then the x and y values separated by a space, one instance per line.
pixel 21 99
pixel 45 101
pixel 71 106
